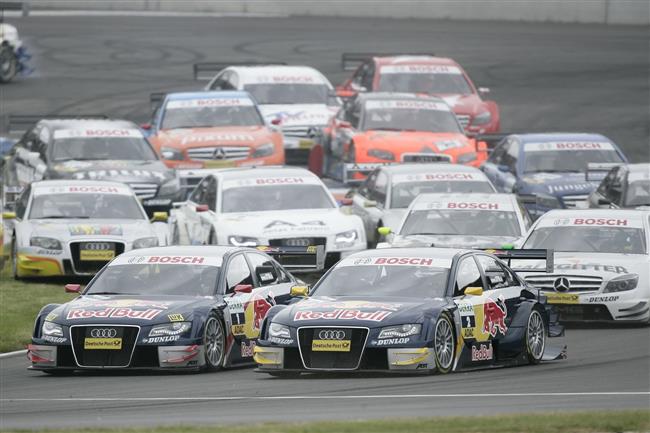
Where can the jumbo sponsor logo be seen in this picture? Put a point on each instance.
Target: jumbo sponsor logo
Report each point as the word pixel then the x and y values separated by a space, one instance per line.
pixel 420 69
pixel 407 105
pixel 409 261
pixel 473 205
pixel 579 266
pixel 167 260
pixel 229 138
pixel 103 174
pixel 188 260
pixel 568 145
pixel 600 222
pixel 494 315
pixel 97 132
pixel 82 189
pixel 352 305
pixel 279 181
pixel 341 314
pixel 82 229
pixel 114 313
pixel 292 79
pixel 482 352
pixel 208 102
pixel 120 303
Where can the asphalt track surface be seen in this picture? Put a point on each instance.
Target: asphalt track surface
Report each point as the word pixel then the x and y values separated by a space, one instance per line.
pixel 546 77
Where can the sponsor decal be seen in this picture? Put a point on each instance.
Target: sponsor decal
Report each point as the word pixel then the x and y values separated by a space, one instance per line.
pixel 102 343
pixel 410 261
pixel 396 261
pixel 281 341
pixel 237 329
pixel 342 314
pixel 176 317
pixel 44 252
pixel 97 133
pixel 279 181
pixel 51 317
pixel 287 117
pixel 208 102
pixel 112 173
pixel 420 69
pixel 391 341
pixel 568 146
pixel 247 321
pixel 314 303
pixel 467 319
pixel 115 313
pixel 204 138
pixel 600 299
pixel 494 204
pixel 82 189
pixel 570 187
pixel 286 78
pixel 422 366
pixel 88 230
pixel 270 181
pixel 445 145
pixel 247 348
pixel 494 314
pixel 167 260
pixel 562 298
pixel 163 339
pixel 407 105
pixel 482 352
pixel 55 340
pixel 280 223
pixel 576 265
pixel 121 303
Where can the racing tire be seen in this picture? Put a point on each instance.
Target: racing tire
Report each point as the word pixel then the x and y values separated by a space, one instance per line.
pixel 214 342
pixel 8 63
pixel 444 344
pixel 535 337
pixel 285 374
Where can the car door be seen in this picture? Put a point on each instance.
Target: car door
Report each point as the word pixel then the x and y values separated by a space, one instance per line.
pixel 491 166
pixel 196 214
pixel 507 175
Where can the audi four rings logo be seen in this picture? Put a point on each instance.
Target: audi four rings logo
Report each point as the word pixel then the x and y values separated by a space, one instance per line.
pixel 331 334
pixel 98 246
pixel 562 284
pixel 103 333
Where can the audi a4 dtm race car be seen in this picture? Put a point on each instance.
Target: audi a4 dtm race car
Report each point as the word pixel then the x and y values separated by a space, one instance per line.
pixel 92 149
pixel 624 186
pixel 273 206
pixel 297 98
pixel 602 263
pixel 424 73
pixel 74 227
pixel 470 220
pixel 547 171
pixel 412 310
pixel 164 308
pixel 383 198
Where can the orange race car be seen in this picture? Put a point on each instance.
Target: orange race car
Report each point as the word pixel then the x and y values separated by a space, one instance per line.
pixel 423 73
pixel 385 128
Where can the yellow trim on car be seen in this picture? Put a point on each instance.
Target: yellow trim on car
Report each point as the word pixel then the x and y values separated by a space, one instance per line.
pixel 422 354
pixel 32 266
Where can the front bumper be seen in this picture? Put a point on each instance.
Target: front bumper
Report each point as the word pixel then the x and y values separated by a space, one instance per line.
pixel 601 307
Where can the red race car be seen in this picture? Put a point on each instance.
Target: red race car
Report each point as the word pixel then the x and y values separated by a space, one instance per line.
pixel 423 73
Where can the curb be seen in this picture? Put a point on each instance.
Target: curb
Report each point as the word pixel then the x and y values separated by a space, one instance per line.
pixel 13 354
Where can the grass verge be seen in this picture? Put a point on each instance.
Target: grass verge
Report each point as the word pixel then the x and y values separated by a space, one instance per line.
pixel 576 422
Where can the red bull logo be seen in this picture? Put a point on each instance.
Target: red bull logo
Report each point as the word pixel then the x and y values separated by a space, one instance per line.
pixel 494 314
pixel 261 306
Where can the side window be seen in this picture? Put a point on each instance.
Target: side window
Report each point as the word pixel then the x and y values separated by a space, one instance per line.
pixel 220 81
pixel 238 273
pixel 607 182
pixel 511 155
pixel 199 195
pixel 497 155
pixel 467 275
pixel 368 75
pixel 265 272
pixel 211 194
pixel 233 81
pixel 496 275
pixel 21 203
pixel 353 115
pixel 378 192
pixel 367 185
pixel 357 79
pixel 524 212
pixel 614 187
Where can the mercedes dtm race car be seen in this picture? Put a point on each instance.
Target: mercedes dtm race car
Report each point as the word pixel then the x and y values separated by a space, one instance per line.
pixel 602 263
pixel 468 220
pixel 624 186
pixel 428 74
pixel 274 206
pixel 66 227
pixel 376 129
pixel 85 149
pixel 167 308
pixel 297 98
pixel 382 199
pixel 412 310
pixel 548 171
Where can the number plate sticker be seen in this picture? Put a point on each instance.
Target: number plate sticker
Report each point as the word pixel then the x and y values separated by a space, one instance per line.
pixel 330 345
pixel 96 251
pixel 306 144
pixel 103 343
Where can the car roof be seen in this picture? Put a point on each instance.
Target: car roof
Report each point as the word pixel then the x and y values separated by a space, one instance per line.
pixel 186 250
pixel 555 136
pixel 401 96
pixel 505 200
pixel 181 96
pixel 56 124
pixel 431 167
pixel 433 252
pixel 595 213
pixel 247 172
pixel 407 59
pixel 257 74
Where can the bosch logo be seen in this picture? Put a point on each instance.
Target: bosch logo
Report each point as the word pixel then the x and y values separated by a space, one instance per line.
pixel 562 284
pixel 98 246
pixel 103 333
pixel 331 334
pixel 219 153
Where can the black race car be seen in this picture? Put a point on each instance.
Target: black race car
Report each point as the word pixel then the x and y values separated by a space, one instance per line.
pixel 413 310
pixel 198 307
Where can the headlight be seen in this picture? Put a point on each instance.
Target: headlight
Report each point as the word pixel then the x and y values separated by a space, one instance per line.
pixel 173 328
pixel 548 201
pixel 51 329
pixel 145 243
pixel 265 149
pixel 466 157
pixel 243 241
pixel 400 330
pixel 622 283
pixel 47 243
pixel 382 154
pixel 346 239
pixel 171 153
pixel 482 118
pixel 279 331
pixel 170 188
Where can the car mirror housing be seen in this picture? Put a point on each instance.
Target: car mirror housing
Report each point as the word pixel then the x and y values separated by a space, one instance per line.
pixel 9 215
pixel 384 231
pixel 474 291
pixel 72 288
pixel 160 217
pixel 202 208
pixel 370 203
pixel 243 288
pixel 299 291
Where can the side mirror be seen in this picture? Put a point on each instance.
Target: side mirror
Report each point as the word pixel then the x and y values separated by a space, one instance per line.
pixel 370 203
pixel 9 215
pixel 384 231
pixel 299 291
pixel 344 93
pixel 160 217
pixel 484 90
pixel 243 288
pixel 345 202
pixel 276 121
pixel 145 126
pixel 344 124
pixel 72 288
pixel 474 291
pixel 201 208
pixel 503 168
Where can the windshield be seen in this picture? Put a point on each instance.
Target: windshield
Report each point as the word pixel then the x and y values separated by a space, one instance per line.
pixel 207 117
pixel 289 93
pixel 378 280
pixel 156 279
pixel 600 239
pixel 574 161
pixel 407 119
pixel 94 206
pixel 101 148
pixel 638 193
pixel 276 197
pixel 403 193
pixel 461 222
pixel 454 83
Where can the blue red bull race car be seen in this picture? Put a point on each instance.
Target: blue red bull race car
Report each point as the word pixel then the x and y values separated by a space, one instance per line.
pixel 413 310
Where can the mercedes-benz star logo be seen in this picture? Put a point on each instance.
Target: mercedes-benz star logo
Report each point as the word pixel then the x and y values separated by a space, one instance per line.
pixel 219 153
pixel 562 284
pixel 103 333
pixel 331 334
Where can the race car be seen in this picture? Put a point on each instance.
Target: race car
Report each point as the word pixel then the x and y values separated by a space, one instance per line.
pixel 167 308
pixel 377 129
pixel 424 73
pixel 74 227
pixel 274 206
pixel 92 149
pixel 297 98
pixel 412 310
pixel 547 171
pixel 624 186
pixel 602 263
pixel 213 129
pixel 382 199
pixel 13 54
pixel 469 220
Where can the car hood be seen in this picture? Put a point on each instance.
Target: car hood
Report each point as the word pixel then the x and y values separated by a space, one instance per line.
pixel 411 141
pixel 114 170
pixel 298 114
pixel 78 229
pixel 559 184
pixel 206 137
pixel 454 241
pixel 464 104
pixel 351 311
pixel 138 309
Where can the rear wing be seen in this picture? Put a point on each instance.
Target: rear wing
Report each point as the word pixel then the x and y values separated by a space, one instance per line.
pixel 350 61
pixel 18 124
pixel 298 259
pixel 205 71
pixel 600 168
pixel 155 99
pixel 532 254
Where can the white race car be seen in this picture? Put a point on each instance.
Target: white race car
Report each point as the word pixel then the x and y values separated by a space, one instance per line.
pixel 275 206
pixel 469 220
pixel 382 199
pixel 65 227
pixel 602 264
